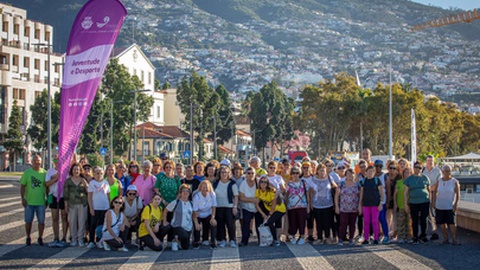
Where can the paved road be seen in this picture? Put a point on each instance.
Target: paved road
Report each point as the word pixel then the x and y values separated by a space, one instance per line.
pixel 15 255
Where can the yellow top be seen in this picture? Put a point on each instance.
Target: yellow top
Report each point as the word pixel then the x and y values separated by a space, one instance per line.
pixel 152 214
pixel 267 198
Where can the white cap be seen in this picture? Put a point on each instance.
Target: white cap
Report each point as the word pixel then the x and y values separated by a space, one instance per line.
pixel 132 187
pixel 225 162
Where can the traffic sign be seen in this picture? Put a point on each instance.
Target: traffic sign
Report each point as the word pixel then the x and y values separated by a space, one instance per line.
pixel 186 154
pixel 103 151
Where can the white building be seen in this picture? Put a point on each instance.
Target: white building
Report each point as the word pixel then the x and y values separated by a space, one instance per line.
pixel 24 67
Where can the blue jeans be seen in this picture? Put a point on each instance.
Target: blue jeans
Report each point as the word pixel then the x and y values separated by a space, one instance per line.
pixel 383 220
pixel 32 210
pixel 247 219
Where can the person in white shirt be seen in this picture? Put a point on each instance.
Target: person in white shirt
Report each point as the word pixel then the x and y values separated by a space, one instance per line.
pixel 204 209
pixel 133 206
pixel 57 208
pixel 248 199
pixel 98 203
pixel 182 221
pixel 434 174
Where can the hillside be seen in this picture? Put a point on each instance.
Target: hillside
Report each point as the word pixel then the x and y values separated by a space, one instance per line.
pixel 244 44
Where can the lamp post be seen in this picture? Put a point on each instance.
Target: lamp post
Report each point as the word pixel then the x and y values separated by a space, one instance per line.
pixel 49 105
pixel 390 129
pixel 192 147
pixel 135 120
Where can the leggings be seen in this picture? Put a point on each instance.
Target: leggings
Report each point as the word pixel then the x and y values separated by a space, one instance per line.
pixel 96 220
pixel 324 220
pixel 383 220
pixel 114 243
pixel 224 218
pixel 206 230
pixel 370 217
pixel 148 240
pixel 297 219
pixel 183 236
pixel 347 220
pixel 274 219
pixel 423 210
pixel 247 219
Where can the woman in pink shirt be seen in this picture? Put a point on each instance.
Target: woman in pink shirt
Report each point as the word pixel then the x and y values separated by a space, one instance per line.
pixel 145 183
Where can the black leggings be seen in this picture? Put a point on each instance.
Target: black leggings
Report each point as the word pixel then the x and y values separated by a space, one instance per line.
pixel 206 230
pixel 324 221
pixel 147 240
pixel 183 236
pixel 114 243
pixel 423 209
pixel 96 220
pixel 224 218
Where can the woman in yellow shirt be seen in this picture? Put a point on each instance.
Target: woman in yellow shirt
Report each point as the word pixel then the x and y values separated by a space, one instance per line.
pixel 151 232
pixel 270 208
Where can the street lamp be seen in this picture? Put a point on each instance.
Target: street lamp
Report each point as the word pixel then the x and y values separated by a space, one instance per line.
pixel 390 129
pixel 49 105
pixel 135 120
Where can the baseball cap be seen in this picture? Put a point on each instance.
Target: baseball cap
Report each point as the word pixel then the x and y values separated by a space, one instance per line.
pixel 378 162
pixel 132 187
pixel 225 162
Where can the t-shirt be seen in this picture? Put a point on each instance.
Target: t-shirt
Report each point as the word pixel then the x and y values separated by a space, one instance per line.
pixel 267 198
pixel 382 179
pixel 203 204
pixel 276 181
pixel 417 189
pixel 149 213
pixel 53 189
pixel 248 192
pixel 182 216
pixel 308 180
pixel 125 183
pixel 222 194
pixel 335 178
pixel 131 210
pixel 371 194
pixel 193 184
pixel 145 187
pixel 322 196
pixel 168 187
pixel 99 190
pixel 114 189
pixel 297 194
pixel 260 171
pixel 400 186
pixel 434 175
pixel 349 197
pixel 34 182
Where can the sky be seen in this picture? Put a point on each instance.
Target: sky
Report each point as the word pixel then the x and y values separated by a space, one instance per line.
pixel 463 4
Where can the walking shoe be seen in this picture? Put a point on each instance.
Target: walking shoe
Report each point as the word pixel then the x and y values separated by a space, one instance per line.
pixel 40 241
pixel 233 244
pixel 73 243
pixel 28 241
pixel 351 242
pixel 169 244
pixel 375 242
pixel 205 243
pixel 415 241
pixel 62 243
pixel 365 242
pixel 100 244
pixel 81 243
pixel 293 241
pixel 213 246
pixel 222 244
pixel 386 241
pixel 174 246
pixel 424 240
pixel 106 246
pixel 90 245
pixel 196 246
pixel 340 243
pixel 276 243
pixel 434 237
pixel 54 243
pixel 310 238
pixel 124 249
pixel 301 241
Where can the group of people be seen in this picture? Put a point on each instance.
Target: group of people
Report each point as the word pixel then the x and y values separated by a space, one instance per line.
pixel 199 204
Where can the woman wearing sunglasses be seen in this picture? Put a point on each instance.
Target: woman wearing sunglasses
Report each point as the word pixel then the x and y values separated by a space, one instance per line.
pixel 270 208
pixel 297 199
pixel 247 197
pixel 114 228
pixel 133 206
pixel 133 172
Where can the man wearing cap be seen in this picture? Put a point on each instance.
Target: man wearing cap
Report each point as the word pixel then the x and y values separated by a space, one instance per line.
pixel 383 214
pixel 51 181
pixel 255 163
pixel 434 174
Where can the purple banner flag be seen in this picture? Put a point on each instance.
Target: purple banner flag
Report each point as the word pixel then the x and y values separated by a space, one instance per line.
pixel 91 42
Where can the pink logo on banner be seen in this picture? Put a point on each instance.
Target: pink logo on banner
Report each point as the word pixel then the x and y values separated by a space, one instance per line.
pixel 91 41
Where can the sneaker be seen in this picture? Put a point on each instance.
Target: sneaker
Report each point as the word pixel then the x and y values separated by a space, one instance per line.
pixel 456 243
pixel 310 238
pixel 174 246
pixel 100 244
pixel 73 243
pixel 62 243
pixel 196 246
pixel 386 241
pixel 301 241
pixel 28 241
pixel 40 241
pixel 415 241
pixel 90 245
pixel 424 240
pixel 409 241
pixel 434 237
pixel 106 246
pixel 81 243
pixel 340 242
pixel 375 242
pixel 233 244
pixel 276 243
pixel 54 243
pixel 365 242
pixel 222 244
pixel 318 242
pixel 351 242
pixel 205 243
pixel 293 241
pixel 124 249
pixel 213 247
pixel 251 232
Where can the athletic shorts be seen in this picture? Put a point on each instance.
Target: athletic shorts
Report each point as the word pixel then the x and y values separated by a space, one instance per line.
pixel 57 205
pixel 444 216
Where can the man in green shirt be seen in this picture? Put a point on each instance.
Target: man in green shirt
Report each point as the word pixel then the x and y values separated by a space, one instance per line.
pixel 33 193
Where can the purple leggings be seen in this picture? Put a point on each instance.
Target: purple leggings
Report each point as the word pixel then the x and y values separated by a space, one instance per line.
pixel 370 216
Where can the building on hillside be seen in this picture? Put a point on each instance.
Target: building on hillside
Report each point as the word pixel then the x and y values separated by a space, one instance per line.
pixel 173 115
pixel 24 49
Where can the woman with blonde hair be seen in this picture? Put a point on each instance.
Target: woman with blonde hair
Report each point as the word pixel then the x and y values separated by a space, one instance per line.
pixel 204 209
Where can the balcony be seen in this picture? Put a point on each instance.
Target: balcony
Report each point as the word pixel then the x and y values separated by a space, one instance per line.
pixel 5 67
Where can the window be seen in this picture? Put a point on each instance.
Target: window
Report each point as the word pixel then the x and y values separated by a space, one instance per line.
pixel 22 94
pixel 38 93
pixel 22 115
pixel 37 33
pixel 159 112
pixel 15 60
pixel 26 62
pixel 26 32
pixel 146 148
pixel 37 64
pixel 47 36
pixel 143 76
pixel 16 29
pixel 149 78
pixel 5 26
pixel 46 66
pixel 134 72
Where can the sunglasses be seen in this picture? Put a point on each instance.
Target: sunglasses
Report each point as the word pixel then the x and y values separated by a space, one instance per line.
pixel 295 172
pixel 271 168
pixel 341 168
pixel 305 168
pixel 379 166
pixel 117 202
pixel 134 166
pixel 131 194
pixel 156 165
pixel 329 166
pixel 362 167
pixel 392 168
pixel 250 173
pixel 418 167
pixel 263 182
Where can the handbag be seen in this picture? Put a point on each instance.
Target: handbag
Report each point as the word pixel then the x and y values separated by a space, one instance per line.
pixel 265 235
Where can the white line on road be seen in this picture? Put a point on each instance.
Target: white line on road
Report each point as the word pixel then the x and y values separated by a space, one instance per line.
pixel 6 186
pixel 309 257
pixel 396 258
pixel 10 199
pixel 225 258
pixel 18 223
pixel 11 203
pixel 60 259
pixel 141 260
pixel 12 212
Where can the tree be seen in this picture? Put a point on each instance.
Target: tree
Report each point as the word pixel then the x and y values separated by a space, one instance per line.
pixel 225 121
pixel 15 140
pixel 166 85
pixel 39 123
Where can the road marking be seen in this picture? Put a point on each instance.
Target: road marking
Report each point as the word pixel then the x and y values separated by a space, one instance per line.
pixel 225 258
pixel 20 242
pixel 60 259
pixel 12 212
pixel 309 257
pixel 396 258
pixel 19 223
pixel 6 186
pixel 10 204
pixel 141 260
pixel 10 199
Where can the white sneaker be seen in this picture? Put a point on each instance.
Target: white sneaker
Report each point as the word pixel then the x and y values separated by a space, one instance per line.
pixel 293 241
pixel 81 243
pixel 105 246
pixel 233 244
pixel 100 244
pixel 73 243
pixel 222 244
pixel 206 243
pixel 174 246
pixel 91 245
pixel 124 249
pixel 301 241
